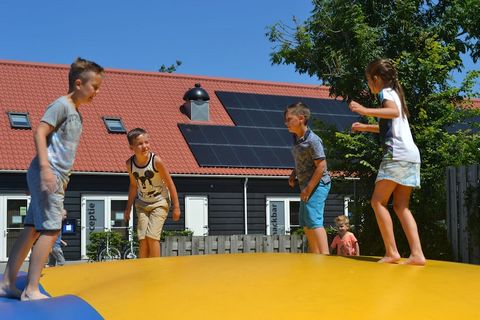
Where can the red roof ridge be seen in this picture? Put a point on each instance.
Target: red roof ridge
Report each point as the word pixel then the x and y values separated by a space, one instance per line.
pixel 175 75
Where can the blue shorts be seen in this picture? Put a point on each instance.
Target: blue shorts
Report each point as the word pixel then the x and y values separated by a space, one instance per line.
pixel 45 211
pixel 311 212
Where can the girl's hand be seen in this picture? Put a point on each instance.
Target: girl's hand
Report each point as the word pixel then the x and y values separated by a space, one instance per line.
pixel 358 127
pixel 357 108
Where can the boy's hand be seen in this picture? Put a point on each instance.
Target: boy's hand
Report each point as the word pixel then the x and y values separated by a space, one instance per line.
pixel 291 181
pixel 48 181
pixel 305 194
pixel 176 213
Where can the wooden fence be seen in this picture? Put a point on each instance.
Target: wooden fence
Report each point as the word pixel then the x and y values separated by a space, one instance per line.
pixel 463 182
pixel 197 245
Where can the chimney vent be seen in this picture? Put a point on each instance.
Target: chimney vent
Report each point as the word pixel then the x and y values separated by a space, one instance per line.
pixel 196 103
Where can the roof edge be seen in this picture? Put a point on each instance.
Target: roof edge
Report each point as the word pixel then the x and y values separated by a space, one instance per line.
pixel 175 75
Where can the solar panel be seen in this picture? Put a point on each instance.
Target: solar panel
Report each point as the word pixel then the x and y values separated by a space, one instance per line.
pixel 259 138
pixel 261 110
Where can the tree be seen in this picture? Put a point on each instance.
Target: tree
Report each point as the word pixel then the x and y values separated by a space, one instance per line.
pixel 425 39
pixel 172 68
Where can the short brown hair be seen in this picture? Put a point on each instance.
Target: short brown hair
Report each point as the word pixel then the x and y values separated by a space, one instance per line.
pixel 298 109
pixel 79 69
pixel 133 134
pixel 342 219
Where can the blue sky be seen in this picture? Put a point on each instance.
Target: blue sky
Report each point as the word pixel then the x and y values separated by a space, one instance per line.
pixel 221 38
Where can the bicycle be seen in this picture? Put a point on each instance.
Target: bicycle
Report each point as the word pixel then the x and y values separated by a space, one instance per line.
pixel 131 248
pixel 108 252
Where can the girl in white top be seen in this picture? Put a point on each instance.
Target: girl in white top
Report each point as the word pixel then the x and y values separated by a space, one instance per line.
pixel 399 171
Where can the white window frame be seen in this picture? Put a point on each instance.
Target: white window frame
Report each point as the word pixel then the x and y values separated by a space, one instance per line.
pixel 3 220
pixel 107 199
pixel 286 201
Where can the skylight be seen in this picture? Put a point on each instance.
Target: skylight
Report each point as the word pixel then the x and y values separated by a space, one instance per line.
pixel 19 120
pixel 114 125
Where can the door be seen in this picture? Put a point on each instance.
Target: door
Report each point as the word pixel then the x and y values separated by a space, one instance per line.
pixel 100 213
pixel 282 215
pixel 12 222
pixel 196 214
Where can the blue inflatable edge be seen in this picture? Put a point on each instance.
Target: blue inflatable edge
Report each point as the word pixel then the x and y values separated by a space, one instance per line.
pixel 62 307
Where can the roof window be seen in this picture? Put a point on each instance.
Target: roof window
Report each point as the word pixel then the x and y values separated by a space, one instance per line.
pixel 19 120
pixel 114 125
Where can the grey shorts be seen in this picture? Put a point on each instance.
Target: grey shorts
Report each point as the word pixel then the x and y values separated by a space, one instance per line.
pixel 46 209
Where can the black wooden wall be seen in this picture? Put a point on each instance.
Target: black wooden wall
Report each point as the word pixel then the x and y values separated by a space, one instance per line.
pixel 225 198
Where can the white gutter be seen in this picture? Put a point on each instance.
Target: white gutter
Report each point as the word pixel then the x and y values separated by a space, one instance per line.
pixel 245 204
pixel 180 175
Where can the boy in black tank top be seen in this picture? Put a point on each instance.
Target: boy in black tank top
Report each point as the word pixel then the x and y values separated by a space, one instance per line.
pixel 151 188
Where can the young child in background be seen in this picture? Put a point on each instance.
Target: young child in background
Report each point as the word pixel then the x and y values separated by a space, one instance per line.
pixel 56 140
pixel 311 172
pixel 56 257
pixel 345 243
pixel 399 170
pixel 151 187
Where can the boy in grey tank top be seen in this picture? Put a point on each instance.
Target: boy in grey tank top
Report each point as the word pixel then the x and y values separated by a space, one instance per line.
pixel 56 141
pixel 151 187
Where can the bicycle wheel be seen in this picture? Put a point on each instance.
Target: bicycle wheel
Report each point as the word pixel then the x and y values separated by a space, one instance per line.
pixel 129 254
pixel 110 254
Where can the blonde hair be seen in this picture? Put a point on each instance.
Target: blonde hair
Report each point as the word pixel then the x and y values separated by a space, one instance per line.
pixel 298 109
pixel 385 69
pixel 79 70
pixel 342 219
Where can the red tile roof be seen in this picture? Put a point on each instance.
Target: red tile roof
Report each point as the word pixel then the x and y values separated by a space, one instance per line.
pixel 151 100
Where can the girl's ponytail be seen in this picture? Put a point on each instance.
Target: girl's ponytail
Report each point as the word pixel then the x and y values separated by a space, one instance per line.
pixel 385 69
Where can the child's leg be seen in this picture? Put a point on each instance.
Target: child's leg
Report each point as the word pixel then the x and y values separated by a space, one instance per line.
pixel 401 200
pixel 381 195
pixel 17 256
pixel 58 256
pixel 153 247
pixel 312 242
pixel 317 240
pixel 40 252
pixel 143 248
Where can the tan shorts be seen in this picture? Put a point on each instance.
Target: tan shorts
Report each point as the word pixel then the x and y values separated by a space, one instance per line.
pixel 150 219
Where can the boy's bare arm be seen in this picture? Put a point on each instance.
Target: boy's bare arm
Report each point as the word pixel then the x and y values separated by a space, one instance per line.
pixel 132 192
pixel 314 180
pixel 357 248
pixel 171 187
pixel 48 181
pixel 291 179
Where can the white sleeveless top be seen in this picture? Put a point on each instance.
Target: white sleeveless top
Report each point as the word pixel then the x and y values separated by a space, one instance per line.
pixel 150 186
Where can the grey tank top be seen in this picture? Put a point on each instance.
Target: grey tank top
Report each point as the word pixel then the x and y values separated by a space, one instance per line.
pixel 150 186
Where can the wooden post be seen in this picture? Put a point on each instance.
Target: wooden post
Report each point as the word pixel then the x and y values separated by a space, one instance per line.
pixel 221 242
pixel 233 244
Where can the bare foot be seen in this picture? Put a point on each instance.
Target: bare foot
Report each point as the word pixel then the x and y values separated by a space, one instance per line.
pixel 416 261
pixel 34 295
pixel 9 292
pixel 390 259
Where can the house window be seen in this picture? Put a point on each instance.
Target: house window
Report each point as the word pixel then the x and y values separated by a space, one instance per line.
pixel 282 215
pixel 19 120
pixel 114 125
